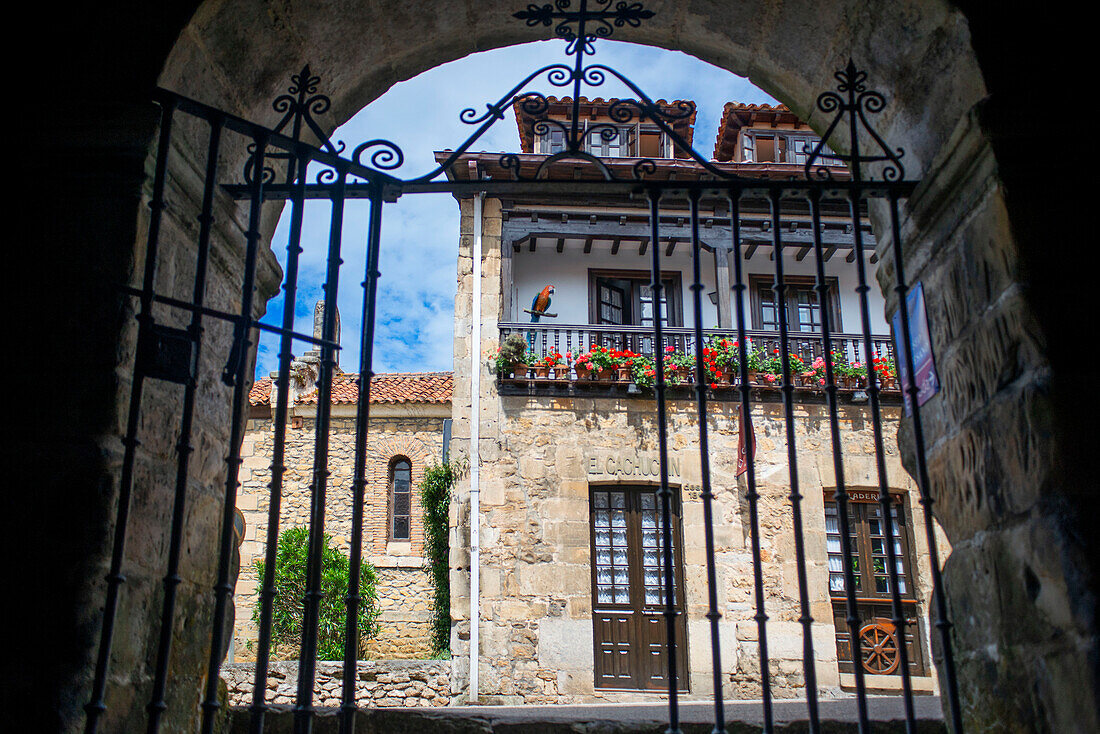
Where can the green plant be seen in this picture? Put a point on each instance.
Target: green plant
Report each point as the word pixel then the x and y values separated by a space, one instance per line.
pixel 435 497
pixel 679 366
pixel 725 353
pixel 291 558
pixel 512 351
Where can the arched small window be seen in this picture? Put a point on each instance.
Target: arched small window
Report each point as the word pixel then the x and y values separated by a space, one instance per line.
pixel 400 499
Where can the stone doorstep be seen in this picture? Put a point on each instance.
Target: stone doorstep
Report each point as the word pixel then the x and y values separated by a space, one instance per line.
pixel 742 717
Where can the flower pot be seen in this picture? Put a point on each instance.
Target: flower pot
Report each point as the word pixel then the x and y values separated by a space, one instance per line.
pixel 888 383
pixel 624 374
pixel 753 376
pixel 541 372
pixel 519 371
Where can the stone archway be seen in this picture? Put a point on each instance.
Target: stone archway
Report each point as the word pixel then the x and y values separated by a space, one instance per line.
pixel 1020 581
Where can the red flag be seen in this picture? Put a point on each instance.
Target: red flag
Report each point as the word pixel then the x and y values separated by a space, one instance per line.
pixel 746 441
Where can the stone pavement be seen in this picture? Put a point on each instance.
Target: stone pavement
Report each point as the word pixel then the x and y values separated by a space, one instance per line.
pixel 838 715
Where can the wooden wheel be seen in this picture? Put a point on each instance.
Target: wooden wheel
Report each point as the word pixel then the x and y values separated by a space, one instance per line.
pixel 879 644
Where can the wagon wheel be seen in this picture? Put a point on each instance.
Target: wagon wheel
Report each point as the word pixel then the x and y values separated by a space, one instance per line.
pixel 879 644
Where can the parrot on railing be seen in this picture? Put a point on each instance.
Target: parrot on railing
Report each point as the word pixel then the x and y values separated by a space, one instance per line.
pixel 540 303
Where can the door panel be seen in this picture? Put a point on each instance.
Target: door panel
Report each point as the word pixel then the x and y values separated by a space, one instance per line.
pixel 627 595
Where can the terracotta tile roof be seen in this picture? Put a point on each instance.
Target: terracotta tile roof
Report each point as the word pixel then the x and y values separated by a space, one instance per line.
pixel 389 387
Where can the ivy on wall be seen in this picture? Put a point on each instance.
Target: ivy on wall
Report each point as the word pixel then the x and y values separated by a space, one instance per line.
pixel 435 496
pixel 290 589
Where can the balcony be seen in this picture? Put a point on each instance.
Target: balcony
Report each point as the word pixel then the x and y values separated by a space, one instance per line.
pixel 543 339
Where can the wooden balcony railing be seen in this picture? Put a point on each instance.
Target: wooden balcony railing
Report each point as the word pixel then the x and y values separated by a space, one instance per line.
pixel 578 338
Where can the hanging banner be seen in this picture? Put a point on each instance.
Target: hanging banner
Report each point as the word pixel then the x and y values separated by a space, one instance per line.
pixel 746 441
pixel 920 343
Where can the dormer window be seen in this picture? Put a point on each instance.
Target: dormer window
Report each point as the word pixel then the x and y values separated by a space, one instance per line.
pixel 775 146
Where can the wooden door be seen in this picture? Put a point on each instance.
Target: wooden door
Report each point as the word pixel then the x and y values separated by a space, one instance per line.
pixel 627 591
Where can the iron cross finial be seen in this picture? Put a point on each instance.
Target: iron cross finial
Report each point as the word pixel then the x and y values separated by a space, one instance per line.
pixel 590 23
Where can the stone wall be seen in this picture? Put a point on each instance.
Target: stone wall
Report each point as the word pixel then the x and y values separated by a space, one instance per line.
pixel 381 683
pixel 404 589
pixel 536 453
pixel 536 598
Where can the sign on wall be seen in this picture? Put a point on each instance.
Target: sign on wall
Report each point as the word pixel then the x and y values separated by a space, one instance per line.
pixel 920 342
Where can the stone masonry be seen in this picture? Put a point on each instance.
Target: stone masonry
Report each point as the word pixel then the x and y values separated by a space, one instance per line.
pixel 380 683
pixel 404 590
pixel 536 471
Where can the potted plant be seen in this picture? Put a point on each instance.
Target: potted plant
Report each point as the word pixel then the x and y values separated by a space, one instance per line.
pixel 552 361
pixel 720 358
pixel 679 366
pixel 754 364
pixel 624 364
pixel 595 364
pixel 886 372
pixel 643 371
pixel 511 357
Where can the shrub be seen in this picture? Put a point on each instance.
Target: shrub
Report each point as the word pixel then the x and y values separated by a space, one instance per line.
pixel 290 588
pixel 435 496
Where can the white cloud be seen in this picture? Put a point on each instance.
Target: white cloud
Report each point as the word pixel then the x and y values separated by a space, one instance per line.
pixel 414 322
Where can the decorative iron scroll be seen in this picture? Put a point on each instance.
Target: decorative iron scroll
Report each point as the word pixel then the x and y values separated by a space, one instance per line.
pixel 855 104
pixel 580 26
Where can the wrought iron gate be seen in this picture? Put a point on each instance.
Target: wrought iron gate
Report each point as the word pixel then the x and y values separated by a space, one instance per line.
pixel 278 166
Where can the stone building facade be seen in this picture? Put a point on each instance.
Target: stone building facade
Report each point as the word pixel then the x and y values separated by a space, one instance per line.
pixel 557 455
pixel 409 412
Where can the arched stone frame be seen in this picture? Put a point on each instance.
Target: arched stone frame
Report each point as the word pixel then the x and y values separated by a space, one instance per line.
pixel 381 456
pixel 1017 509
pixel 391 498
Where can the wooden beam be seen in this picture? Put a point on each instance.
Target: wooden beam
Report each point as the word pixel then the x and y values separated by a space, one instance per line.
pixel 561 245
pixel 615 245
pixel 829 253
pixel 533 241
pixel 671 246
pixel 588 244
pixel 751 251
pixel 802 252
pixel 645 244
pixel 874 258
pixel 722 283
pixel 851 257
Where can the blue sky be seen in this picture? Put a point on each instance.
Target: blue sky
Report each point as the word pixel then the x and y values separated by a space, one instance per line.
pixel 414 322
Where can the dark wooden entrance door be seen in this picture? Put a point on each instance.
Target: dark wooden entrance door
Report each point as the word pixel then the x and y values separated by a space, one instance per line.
pixel 628 590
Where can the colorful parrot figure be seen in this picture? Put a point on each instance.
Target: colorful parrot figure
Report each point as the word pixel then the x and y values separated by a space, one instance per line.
pixel 541 303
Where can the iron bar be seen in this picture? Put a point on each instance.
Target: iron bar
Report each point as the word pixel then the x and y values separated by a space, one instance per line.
pixel 751 494
pixel 232 318
pixel 274 139
pixel 348 706
pixel 841 495
pixel 307 661
pixel 754 188
pixel 805 617
pixel 942 622
pixel 713 615
pixel 157 704
pixel 884 497
pixel 258 707
pixel 115 578
pixel 664 492
pixel 242 344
